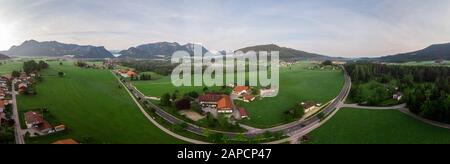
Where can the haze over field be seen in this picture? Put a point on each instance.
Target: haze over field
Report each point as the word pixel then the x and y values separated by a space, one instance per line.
pixel 349 28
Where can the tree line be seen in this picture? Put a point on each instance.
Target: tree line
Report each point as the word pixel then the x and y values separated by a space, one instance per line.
pixel 426 89
pixel 160 67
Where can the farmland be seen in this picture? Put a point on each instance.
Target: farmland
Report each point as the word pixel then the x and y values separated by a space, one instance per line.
pixel 93 107
pixel 10 65
pixel 357 126
pixel 297 83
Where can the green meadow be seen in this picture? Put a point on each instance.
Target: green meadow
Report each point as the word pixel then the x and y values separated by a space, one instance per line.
pixel 359 126
pixel 93 107
pixel 8 66
pixel 297 83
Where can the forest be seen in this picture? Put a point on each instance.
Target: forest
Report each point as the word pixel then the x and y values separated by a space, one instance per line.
pixel 425 89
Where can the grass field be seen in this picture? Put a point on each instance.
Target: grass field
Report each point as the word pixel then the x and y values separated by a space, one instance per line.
pixel 297 84
pixel 10 65
pixel 358 126
pixel 93 107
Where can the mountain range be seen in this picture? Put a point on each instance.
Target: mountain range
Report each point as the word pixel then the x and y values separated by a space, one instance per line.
pixel 433 52
pixel 3 56
pixel 158 50
pixel 164 50
pixel 286 54
pixel 33 48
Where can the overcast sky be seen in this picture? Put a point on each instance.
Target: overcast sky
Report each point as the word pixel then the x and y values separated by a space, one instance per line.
pixel 350 28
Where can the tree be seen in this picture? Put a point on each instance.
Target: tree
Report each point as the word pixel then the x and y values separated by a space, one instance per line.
pixel 43 65
pixel 165 100
pixel 30 66
pixel 192 94
pixel 60 63
pixel 146 77
pixel 175 95
pixel 327 62
pixel 15 74
pixel 299 112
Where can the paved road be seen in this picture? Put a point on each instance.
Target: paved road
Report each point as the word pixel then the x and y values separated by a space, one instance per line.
pixel 374 107
pixel 431 122
pixel 291 129
pixel 15 115
pixel 156 123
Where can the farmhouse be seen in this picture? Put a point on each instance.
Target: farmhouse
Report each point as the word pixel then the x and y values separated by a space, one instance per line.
pixel 221 103
pixel 239 90
pixel 125 73
pixel 35 120
pixel 66 142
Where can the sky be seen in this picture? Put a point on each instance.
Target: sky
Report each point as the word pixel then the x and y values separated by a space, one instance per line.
pixel 347 28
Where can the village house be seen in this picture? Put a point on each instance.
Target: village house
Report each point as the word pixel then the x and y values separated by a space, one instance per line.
pixel 60 128
pixel 36 121
pixel 266 92
pixel 243 113
pixel 397 96
pixel 126 73
pixel 2 106
pixel 239 90
pixel 22 87
pixel 309 106
pixel 247 98
pixel 2 94
pixel 220 103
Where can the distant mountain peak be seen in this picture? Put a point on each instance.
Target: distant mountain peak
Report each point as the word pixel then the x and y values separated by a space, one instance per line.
pixel 3 56
pixel 56 49
pixel 158 50
pixel 287 54
pixel 432 52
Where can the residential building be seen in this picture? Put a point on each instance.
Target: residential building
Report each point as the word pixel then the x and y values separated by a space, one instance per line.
pixel 2 106
pixel 248 97
pixel 309 106
pixel 35 120
pixel 239 90
pixel 243 113
pixel 221 103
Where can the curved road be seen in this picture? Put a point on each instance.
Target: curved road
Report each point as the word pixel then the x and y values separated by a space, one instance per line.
pixel 294 129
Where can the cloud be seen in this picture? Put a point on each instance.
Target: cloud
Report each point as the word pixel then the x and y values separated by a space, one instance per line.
pixel 343 28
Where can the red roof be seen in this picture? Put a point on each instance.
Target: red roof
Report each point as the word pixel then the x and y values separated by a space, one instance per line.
pixel 2 104
pixel 44 126
pixel 243 112
pixel 248 97
pixel 33 118
pixel 131 74
pixel 224 103
pixel 210 97
pixel 239 89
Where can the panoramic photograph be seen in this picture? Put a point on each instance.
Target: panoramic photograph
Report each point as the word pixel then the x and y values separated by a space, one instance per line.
pixel 224 72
